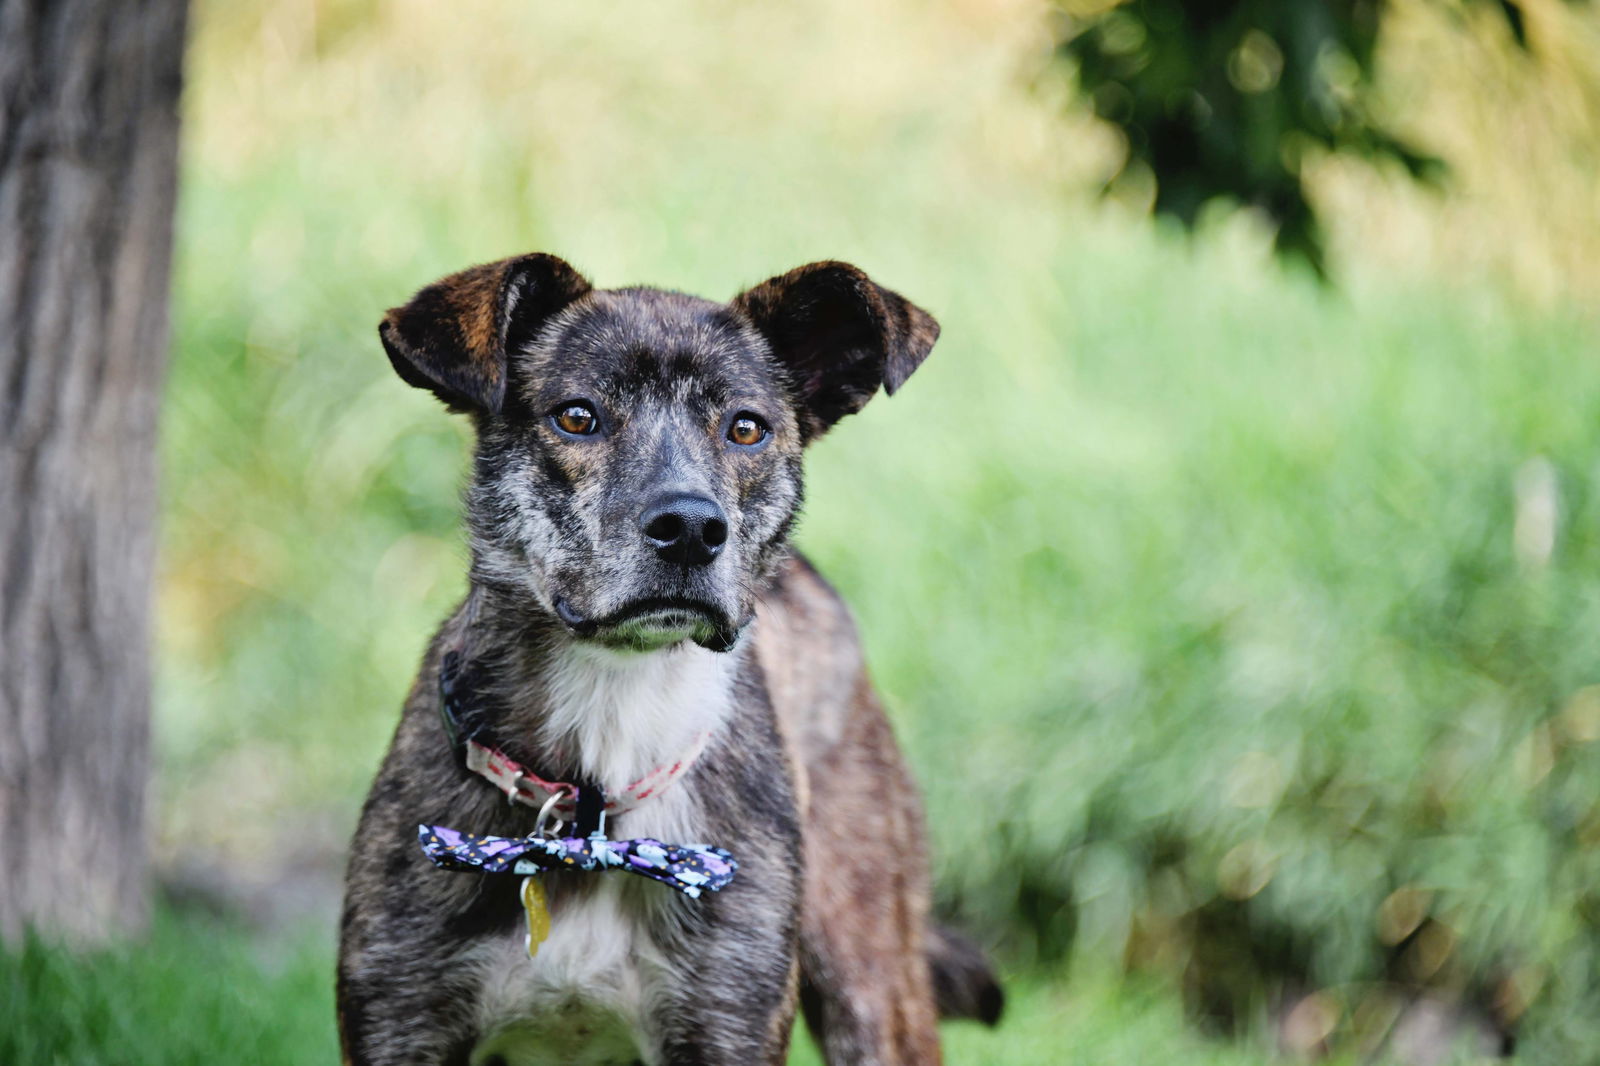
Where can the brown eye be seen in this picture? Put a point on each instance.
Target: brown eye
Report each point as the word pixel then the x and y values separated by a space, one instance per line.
pixel 747 430
pixel 578 419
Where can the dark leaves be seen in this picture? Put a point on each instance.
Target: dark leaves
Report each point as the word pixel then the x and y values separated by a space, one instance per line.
pixel 1225 99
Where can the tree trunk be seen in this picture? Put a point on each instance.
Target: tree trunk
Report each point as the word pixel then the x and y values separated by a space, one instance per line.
pixel 88 172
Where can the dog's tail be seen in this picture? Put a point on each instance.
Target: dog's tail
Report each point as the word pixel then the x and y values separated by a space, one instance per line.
pixel 964 985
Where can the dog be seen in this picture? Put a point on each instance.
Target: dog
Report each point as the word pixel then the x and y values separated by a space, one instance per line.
pixel 643 658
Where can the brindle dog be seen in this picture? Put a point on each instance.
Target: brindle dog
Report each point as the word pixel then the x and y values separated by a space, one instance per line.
pixel 632 595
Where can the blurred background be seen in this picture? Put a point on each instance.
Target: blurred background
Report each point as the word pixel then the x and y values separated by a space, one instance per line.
pixel 1232 570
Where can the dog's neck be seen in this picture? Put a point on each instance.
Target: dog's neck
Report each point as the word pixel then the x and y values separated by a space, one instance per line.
pixel 594 713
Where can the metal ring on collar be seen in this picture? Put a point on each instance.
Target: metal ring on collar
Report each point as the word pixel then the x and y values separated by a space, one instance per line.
pixel 539 827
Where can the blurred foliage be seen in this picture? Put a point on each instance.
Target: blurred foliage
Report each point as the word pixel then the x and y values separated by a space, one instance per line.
pixel 1520 128
pixel 1240 634
pixel 1226 98
pixel 1275 625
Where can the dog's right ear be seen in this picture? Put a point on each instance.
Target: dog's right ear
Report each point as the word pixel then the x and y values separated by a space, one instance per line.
pixel 454 336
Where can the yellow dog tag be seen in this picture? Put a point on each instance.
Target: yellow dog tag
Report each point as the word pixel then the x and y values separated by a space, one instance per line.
pixel 533 902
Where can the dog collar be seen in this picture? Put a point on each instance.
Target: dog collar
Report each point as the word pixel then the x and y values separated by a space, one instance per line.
pixel 460 709
pixel 689 868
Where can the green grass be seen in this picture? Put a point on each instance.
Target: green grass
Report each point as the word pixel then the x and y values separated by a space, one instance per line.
pixel 196 989
pixel 193 991
pixel 1086 1022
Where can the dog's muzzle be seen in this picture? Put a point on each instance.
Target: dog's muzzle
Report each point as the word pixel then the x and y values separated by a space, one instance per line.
pixel 655 620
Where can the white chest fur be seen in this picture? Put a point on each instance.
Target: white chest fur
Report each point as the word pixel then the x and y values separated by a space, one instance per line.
pixel 623 714
pixel 586 997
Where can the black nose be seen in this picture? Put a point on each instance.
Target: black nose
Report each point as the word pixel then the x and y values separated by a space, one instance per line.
pixel 685 529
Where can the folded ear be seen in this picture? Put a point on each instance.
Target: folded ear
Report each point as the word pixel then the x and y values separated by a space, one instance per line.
pixel 841 335
pixel 452 338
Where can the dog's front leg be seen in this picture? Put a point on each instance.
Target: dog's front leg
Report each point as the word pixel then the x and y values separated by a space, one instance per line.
pixel 398 1006
pixel 407 971
pixel 742 1017
pixel 730 982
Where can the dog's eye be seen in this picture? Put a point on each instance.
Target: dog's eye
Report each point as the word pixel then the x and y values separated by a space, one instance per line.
pixel 747 430
pixel 576 418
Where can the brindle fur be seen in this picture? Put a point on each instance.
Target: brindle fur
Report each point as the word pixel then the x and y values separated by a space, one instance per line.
pixel 802 780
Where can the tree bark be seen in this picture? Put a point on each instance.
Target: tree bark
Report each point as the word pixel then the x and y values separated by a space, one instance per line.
pixel 88 173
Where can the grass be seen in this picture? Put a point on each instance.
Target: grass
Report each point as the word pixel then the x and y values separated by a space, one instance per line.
pixel 191 988
pixel 195 986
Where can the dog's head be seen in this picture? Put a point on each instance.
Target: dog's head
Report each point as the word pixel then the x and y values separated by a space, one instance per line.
pixel 639 451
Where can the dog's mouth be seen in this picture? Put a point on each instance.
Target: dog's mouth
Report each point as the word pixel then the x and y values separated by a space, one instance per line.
pixel 654 622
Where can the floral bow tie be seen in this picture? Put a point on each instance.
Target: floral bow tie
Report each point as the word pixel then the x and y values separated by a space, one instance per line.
pixel 689 868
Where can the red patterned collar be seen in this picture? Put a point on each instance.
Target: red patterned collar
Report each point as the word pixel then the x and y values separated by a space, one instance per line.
pixel 474 742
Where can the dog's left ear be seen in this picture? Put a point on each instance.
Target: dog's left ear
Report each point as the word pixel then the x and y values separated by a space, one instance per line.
pixel 454 336
pixel 840 335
